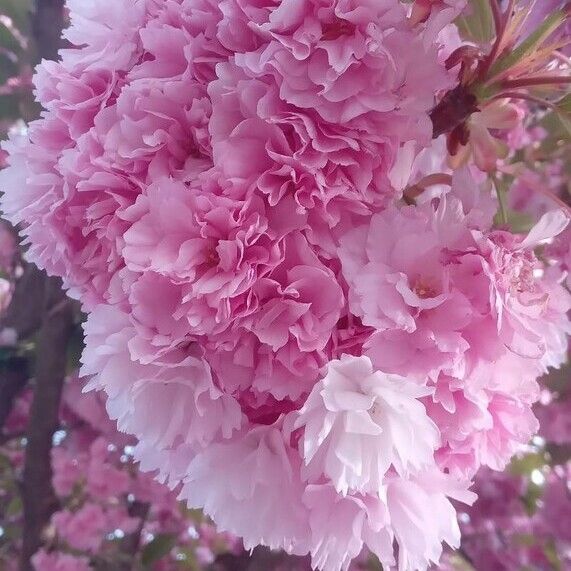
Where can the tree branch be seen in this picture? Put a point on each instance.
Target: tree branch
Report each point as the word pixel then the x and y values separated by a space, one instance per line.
pixel 55 320
pixel 131 543
pixel 38 497
pixel 13 378
pixel 261 559
pixel 47 25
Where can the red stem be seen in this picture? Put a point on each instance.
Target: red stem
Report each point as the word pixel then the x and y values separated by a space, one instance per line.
pixel 524 97
pixel 500 24
pixel 536 81
pixel 498 17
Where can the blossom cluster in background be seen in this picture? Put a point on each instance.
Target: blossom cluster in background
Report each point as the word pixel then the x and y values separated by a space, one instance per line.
pixel 109 513
pixel 323 250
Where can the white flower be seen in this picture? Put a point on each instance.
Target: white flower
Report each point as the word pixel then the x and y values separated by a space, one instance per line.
pixel 359 422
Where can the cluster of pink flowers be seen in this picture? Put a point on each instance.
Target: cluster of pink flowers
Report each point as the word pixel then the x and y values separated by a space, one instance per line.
pixel 104 500
pixel 506 531
pixel 516 523
pixel 319 366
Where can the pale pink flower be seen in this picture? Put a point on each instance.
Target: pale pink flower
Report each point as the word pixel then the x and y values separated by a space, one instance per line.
pixel 401 285
pixel 108 30
pixel 341 526
pixel 524 307
pixel 308 167
pixel 485 148
pixel 139 390
pixel 103 479
pixel 205 252
pixel 264 480
pixel 358 423
pixel 218 183
pixel 349 61
pixel 68 470
pixel 300 301
pixel 423 517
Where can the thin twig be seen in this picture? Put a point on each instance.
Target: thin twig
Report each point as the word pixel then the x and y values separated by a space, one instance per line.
pixel 537 80
pixel 498 17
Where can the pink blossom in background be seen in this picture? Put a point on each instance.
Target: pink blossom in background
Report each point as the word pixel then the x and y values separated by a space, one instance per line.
pixel 82 530
pixel 44 561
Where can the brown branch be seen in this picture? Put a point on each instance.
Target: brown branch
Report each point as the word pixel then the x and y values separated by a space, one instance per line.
pixel 39 303
pixel 47 25
pixel 13 378
pixel 25 311
pixel 24 314
pixel 261 559
pixel 38 497
pixel 131 543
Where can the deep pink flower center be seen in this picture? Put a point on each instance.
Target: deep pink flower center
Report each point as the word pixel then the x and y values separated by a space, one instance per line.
pixel 424 289
pixel 336 29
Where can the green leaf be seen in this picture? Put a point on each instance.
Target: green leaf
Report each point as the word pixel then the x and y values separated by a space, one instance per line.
pixel 8 41
pixel 529 45
pixel 158 548
pixel 565 104
pixel 188 559
pixel 563 110
pixel 477 25
pixel 525 465
pixel 552 555
pixel 531 498
pixel 519 222
pixel 501 218
pixel 373 563
pixel 5 463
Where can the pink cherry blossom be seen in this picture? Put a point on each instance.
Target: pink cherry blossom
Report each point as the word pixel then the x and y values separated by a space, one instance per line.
pixel 81 529
pixel 342 525
pixel 415 502
pixel 303 321
pixel 265 476
pixel 358 423
pixel 44 561
pixel 137 388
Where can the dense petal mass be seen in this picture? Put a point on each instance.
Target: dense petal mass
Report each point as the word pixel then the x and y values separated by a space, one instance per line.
pixel 358 423
pixel 458 304
pixel 315 343
pixel 176 390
